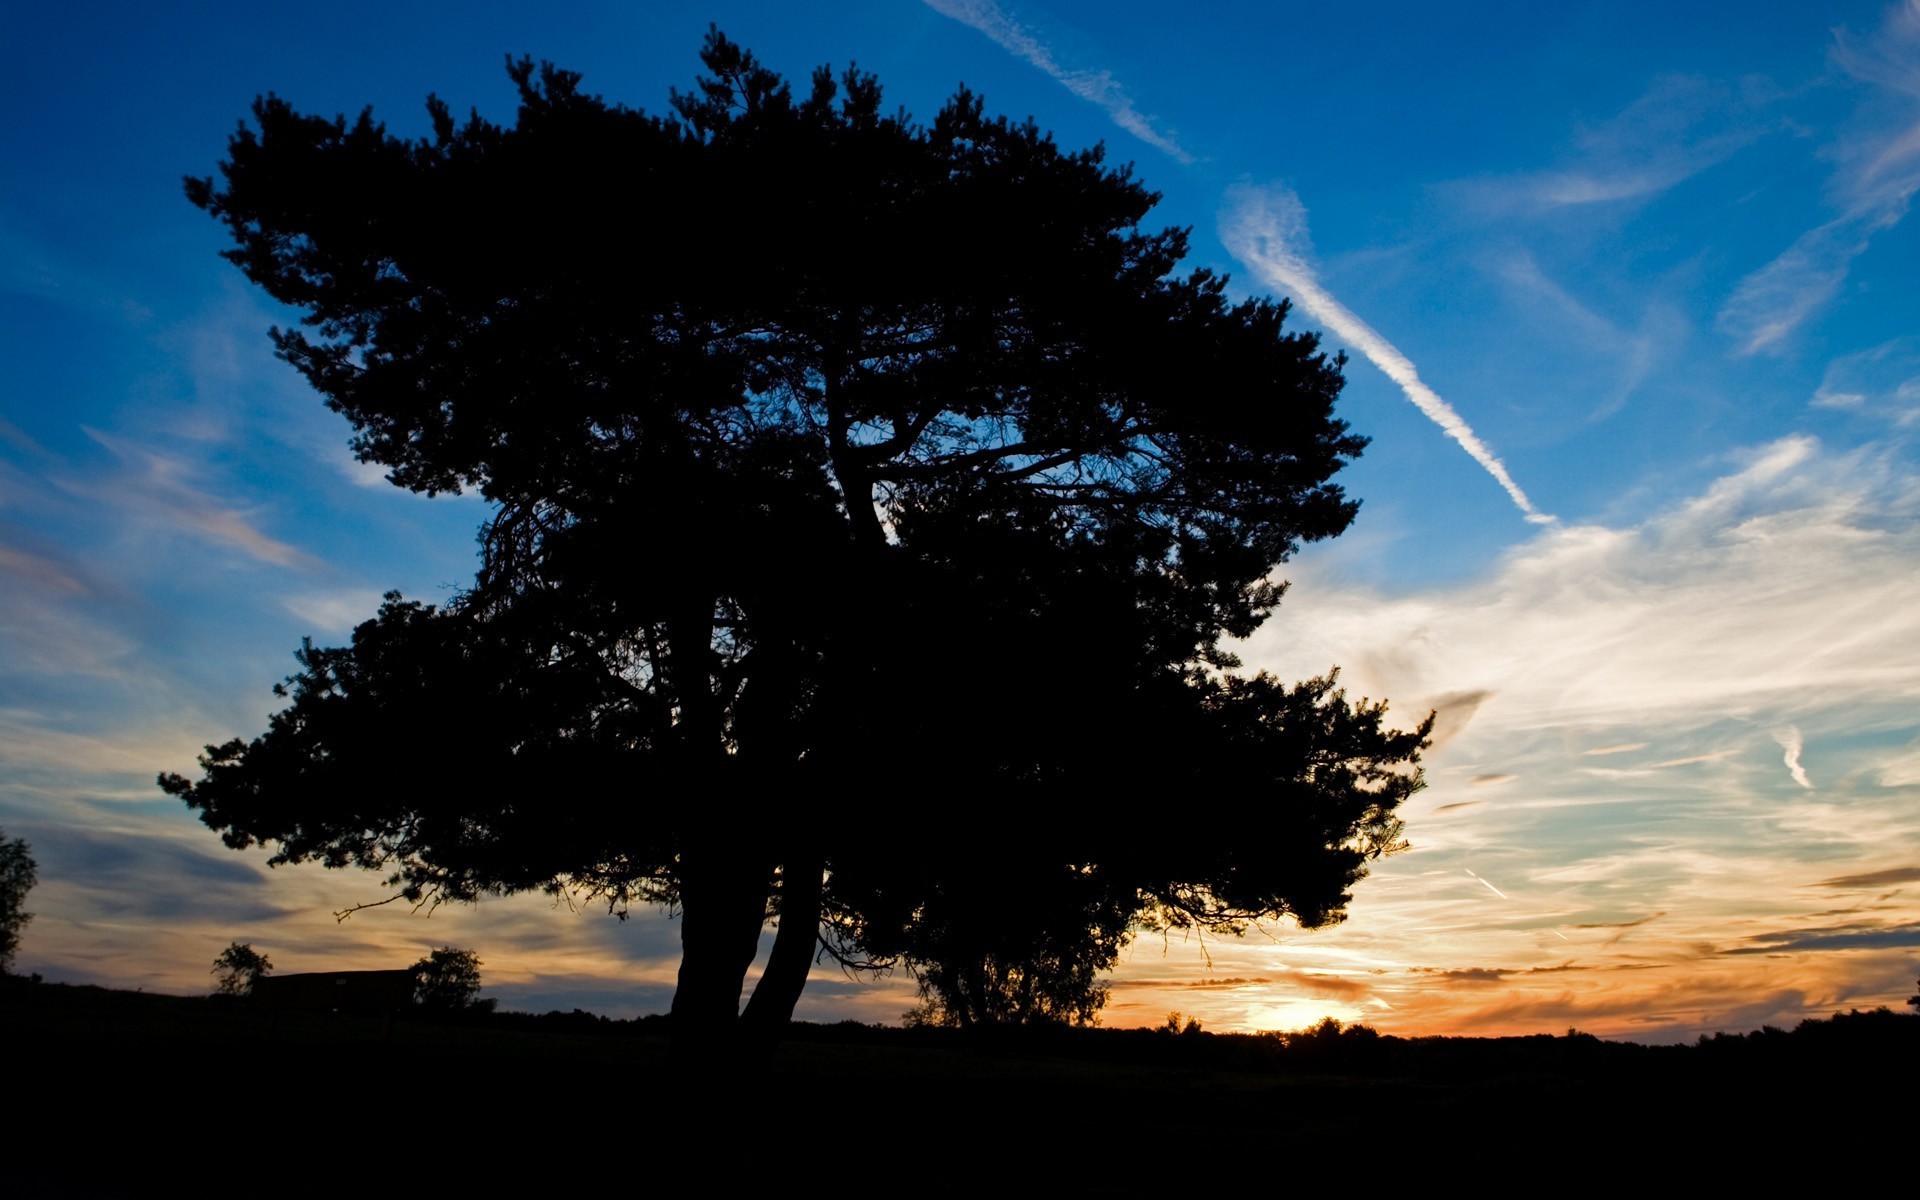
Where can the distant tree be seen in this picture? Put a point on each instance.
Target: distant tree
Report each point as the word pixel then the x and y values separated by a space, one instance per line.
pixel 448 981
pixel 239 967
pixel 833 459
pixel 18 874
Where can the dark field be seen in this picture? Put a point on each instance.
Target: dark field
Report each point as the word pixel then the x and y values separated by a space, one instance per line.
pixel 121 1093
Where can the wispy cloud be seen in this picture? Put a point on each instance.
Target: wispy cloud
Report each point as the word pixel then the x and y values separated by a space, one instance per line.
pixel 1874 189
pixel 1314 983
pixel 1096 86
pixel 1677 128
pixel 1882 382
pixel 1863 936
pixel 1544 305
pixel 1521 271
pixel 1773 599
pixel 1635 923
pixel 1779 297
pixel 1689 760
pixel 1792 744
pixel 1266 228
pixel 43 573
pixel 159 490
pixel 1782 586
pixel 1874 879
pixel 32 740
pixel 1901 770
pixel 335 612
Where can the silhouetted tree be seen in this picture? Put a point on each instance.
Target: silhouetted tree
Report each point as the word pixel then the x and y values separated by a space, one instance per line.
pixel 870 500
pixel 239 967
pixel 1324 775
pixel 985 953
pixel 18 874
pixel 448 981
pixel 1180 1023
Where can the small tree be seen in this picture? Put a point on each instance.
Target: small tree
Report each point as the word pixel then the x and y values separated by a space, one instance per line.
pixel 18 874
pixel 448 981
pixel 238 968
pixel 1181 1023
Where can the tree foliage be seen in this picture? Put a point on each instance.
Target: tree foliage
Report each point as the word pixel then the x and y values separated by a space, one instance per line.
pixel 1292 791
pixel 448 981
pixel 18 874
pixel 870 500
pixel 238 968
pixel 987 954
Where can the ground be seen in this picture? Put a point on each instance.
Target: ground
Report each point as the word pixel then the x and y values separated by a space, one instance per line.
pixel 120 1093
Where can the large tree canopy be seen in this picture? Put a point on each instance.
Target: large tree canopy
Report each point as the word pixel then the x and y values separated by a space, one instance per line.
pixel 870 499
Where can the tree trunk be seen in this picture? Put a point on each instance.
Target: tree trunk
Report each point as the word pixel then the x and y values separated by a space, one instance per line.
pixel 771 1006
pixel 723 873
pixel 723 899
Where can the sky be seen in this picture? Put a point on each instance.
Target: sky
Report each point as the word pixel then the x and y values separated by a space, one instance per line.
pixel 1629 297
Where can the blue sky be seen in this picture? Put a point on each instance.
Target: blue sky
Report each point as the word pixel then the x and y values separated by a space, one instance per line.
pixel 1644 276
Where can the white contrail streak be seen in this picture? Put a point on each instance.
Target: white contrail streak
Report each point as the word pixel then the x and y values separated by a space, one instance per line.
pixel 1483 883
pixel 1266 228
pixel 1099 87
pixel 1261 228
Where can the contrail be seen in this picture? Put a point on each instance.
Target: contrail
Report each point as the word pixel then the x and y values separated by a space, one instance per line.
pixel 1261 228
pixel 1496 891
pixel 1100 87
pixel 1266 228
pixel 1483 883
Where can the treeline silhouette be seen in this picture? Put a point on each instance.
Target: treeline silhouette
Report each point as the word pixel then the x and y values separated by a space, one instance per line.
pixel 580 1097
pixel 1328 1047
pixel 60 1012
